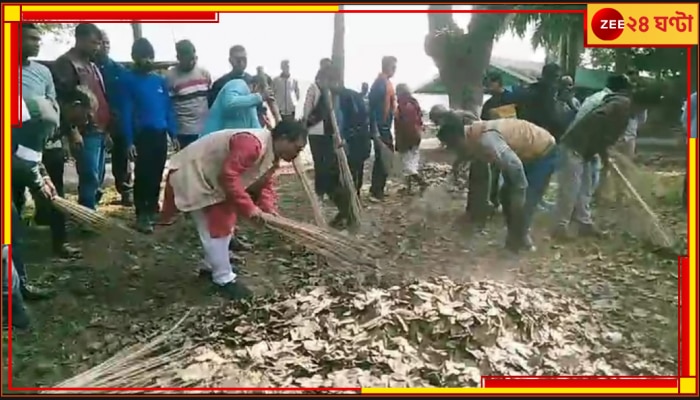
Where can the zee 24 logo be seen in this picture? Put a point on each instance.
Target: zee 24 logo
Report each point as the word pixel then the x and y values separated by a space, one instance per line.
pixel 609 24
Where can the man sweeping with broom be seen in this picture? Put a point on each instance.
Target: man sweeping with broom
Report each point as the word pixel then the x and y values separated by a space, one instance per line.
pixel 222 176
pixel 593 135
pixel 524 152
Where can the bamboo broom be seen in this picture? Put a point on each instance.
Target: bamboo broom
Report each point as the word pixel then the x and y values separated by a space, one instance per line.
pixel 355 211
pixel 338 248
pixel 91 219
pixel 653 229
pixel 136 366
pixel 298 168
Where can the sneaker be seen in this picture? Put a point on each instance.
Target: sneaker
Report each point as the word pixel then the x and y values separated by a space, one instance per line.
pixel 235 291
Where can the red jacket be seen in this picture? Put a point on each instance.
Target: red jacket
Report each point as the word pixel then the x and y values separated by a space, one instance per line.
pixel 408 124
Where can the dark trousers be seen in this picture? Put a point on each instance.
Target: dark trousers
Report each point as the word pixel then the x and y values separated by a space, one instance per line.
pixel 46 214
pixel 17 250
pixel 151 155
pixel 121 167
pixel 325 165
pixel 478 207
pixel 186 140
pixel 379 174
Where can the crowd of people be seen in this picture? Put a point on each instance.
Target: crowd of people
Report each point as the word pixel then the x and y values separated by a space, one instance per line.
pixel 225 141
pixel 227 145
pixel 522 138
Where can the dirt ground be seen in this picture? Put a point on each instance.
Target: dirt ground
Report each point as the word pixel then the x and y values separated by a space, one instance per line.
pixel 123 291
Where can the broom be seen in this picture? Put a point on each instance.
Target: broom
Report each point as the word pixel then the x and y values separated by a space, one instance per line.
pixel 338 248
pixel 650 226
pixel 355 211
pixel 298 168
pixel 89 218
pixel 135 366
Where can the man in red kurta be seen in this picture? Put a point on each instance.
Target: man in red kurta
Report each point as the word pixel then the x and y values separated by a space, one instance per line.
pixel 222 176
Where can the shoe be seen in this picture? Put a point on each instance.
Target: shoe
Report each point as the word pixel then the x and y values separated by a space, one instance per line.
pixel 528 244
pixel 31 293
pixel 235 291
pixel 238 244
pixel 20 316
pixel 143 224
pixel 127 200
pixel 590 230
pixel 66 251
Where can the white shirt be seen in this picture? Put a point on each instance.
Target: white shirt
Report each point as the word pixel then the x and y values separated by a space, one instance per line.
pixel 285 90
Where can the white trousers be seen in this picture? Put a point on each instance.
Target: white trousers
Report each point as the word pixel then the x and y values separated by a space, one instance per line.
pixel 216 256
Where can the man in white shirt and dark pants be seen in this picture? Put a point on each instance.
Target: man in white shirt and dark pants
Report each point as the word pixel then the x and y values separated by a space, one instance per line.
pixel 286 90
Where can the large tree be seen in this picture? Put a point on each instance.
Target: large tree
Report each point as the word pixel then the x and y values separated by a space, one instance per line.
pixel 338 51
pixel 560 34
pixel 137 30
pixel 462 58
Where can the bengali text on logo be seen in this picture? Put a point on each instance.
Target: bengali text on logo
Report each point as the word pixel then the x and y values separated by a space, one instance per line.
pixel 642 24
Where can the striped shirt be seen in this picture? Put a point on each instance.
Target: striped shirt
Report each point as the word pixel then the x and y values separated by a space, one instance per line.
pixel 188 91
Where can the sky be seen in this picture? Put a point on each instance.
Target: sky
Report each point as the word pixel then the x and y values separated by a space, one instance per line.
pixel 303 39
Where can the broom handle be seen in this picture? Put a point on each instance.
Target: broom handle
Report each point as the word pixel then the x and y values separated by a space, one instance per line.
pixel 635 194
pixel 298 168
pixel 338 141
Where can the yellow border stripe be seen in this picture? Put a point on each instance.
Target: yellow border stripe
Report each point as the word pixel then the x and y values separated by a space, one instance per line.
pixel 520 391
pixel 178 7
pixel 11 13
pixel 7 133
pixel 693 254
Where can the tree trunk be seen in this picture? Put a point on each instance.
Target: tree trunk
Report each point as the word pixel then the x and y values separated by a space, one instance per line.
pixel 575 50
pixel 338 51
pixel 462 59
pixel 137 30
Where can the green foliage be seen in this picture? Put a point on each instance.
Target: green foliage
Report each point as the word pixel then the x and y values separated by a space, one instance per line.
pixel 549 27
pixel 659 62
pixel 61 30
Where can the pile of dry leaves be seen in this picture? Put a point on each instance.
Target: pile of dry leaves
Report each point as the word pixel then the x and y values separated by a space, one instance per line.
pixel 429 333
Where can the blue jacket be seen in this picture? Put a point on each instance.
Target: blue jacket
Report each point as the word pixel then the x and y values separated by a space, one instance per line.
pixel 113 74
pixel 235 107
pixel 147 106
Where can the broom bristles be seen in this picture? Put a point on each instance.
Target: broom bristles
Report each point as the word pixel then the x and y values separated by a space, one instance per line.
pixel 333 246
pixel 89 218
pixel 135 366
pixel 646 221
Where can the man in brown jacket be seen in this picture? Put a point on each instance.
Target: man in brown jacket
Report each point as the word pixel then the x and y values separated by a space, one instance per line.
pixel 72 71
